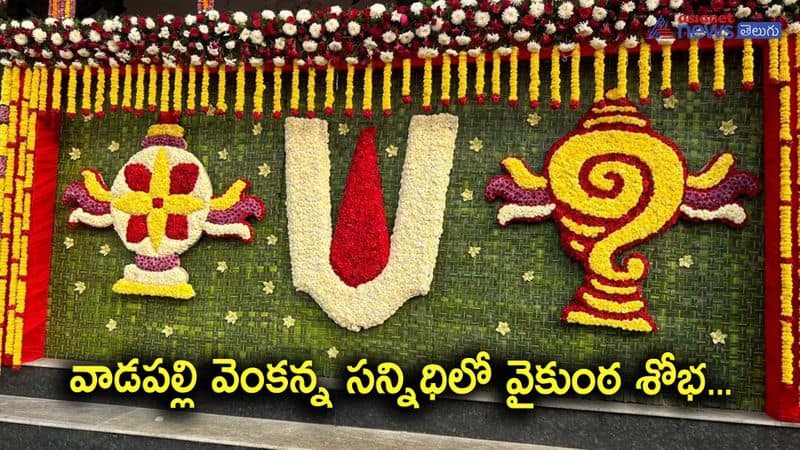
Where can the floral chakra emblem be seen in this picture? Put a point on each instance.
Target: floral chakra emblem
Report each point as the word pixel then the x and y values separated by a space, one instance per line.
pixel 611 184
pixel 160 204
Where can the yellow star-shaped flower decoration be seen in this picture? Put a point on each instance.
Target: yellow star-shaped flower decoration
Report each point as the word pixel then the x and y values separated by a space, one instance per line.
pixel 105 249
pixel 264 170
pixel 466 195
pixel 212 111
pixel 474 251
pixel 343 129
pixel 727 127
pixel 268 287
pixel 74 153
pixel 718 337
pixel 475 144
pixel 79 287
pixel 288 321
pixel 69 242
pixel 223 154
pixel 111 325
pixel 686 261
pixel 231 317
pixel 272 239
pixel 113 146
pixel 257 129
pixel 670 102
pixel 222 266
pixel 167 331
pixel 332 352
pixel 391 151
pixel 503 328
pixel 534 119
pixel 528 276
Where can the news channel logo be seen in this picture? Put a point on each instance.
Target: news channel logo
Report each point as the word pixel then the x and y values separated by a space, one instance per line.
pixel 715 29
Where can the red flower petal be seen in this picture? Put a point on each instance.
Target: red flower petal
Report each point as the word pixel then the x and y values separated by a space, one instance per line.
pixel 182 178
pixel 137 229
pixel 137 176
pixel 177 227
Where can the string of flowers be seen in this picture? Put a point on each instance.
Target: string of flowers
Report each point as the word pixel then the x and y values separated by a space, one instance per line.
pixel 463 78
pixel 427 84
pixel 127 89
pixel 5 85
pixel 277 85
pixel 113 91
pixel 330 72
pixel 496 62
pixel 446 80
pixel 405 89
pixel 138 107
pixel 238 107
pixel 621 91
pixel 205 95
pixel 480 78
pixel 100 94
pixel 783 65
pixel 555 80
pixel 294 98
pixel 312 92
pixel 33 106
pixel 258 95
pixel 772 46
pixel 513 77
pixel 666 69
pixel 366 102
pixel 644 73
pixel 163 105
pixel 86 92
pixel 191 91
pixel 719 68
pixel 534 81
pixel 177 93
pixel 748 82
pixel 72 91
pixel 55 93
pixel 575 78
pixel 348 90
pixel 386 98
pixel 694 66
pixel 152 80
pixel 222 106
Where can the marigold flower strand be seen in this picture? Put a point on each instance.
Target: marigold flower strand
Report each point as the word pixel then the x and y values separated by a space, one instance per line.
pixel 446 80
pixel 535 82
pixel 238 107
pixel 277 85
pixel 555 79
pixel 480 78
pixel 113 91
pixel 366 102
pixel 575 78
pixel 152 89
pixel 86 93
pixel 386 96
pixel 719 67
pixel 496 62
pixel 348 90
pixel 772 45
pixel 694 66
pixel 294 99
pixel 191 91
pixel 55 94
pixel 258 94
pixel 163 106
pixel 666 69
pixel 427 84
pixel 462 78
pixel 177 93
pixel 100 93
pixel 513 77
pixel 311 92
pixel 205 95
pixel 127 89
pixel 644 73
pixel 406 84
pixel 330 97
pixel 139 105
pixel 747 65
pixel 222 105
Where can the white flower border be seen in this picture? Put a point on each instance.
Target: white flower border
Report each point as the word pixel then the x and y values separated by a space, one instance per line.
pixel 417 229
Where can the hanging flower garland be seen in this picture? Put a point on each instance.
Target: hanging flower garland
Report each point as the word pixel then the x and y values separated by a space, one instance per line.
pixel 55 93
pixel 462 78
pixel 177 92
pixel 719 68
pixel 86 92
pixel 496 76
pixel 555 80
pixel 222 105
pixel 366 102
pixel 238 107
pixel 99 93
pixel 747 65
pixel 644 73
pixel 534 82
pixel 666 69
pixel 386 96
pixel 513 74
pixel 277 85
pixel 406 84
pixel 191 91
pixel 330 72
pixel 205 82
pixel 127 89
pixel 694 66
pixel 113 92
pixel 311 92
pixel 138 107
pixel 599 47
pixel 445 82
pixel 348 90
pixel 258 95
pixel 575 78
pixel 152 89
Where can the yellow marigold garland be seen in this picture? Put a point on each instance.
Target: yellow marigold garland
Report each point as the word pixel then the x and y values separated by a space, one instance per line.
pixel 277 85
pixel 348 90
pixel 405 90
pixel 294 99
pixel 772 45
pixel 86 92
pixel 55 93
pixel 113 91
pixel 427 84
pixel 33 94
pixel 10 96
pixel 311 93
pixel 43 87
pixel 127 89
pixel 366 102
pixel 694 66
pixel 191 91
pixel 463 78
pixel 139 102
pixel 783 64
pixel 258 95
pixel 644 73
pixel 100 93
pixel 72 91
pixel 238 107
pixel 177 93
pixel 786 243
pixel 163 106
pixel 205 81
pixel 621 90
pixel 719 68
pixel 575 78
pixel 555 79
pixel 534 82
pixel 747 65
pixel 152 89
pixel 513 77
pixel 330 96
pixel 222 106
pixel 386 98
pixel 496 62
pixel 446 80
pixel 666 69
pixel 480 78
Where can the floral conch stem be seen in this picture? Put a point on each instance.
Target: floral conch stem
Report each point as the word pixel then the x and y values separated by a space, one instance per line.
pixel 160 204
